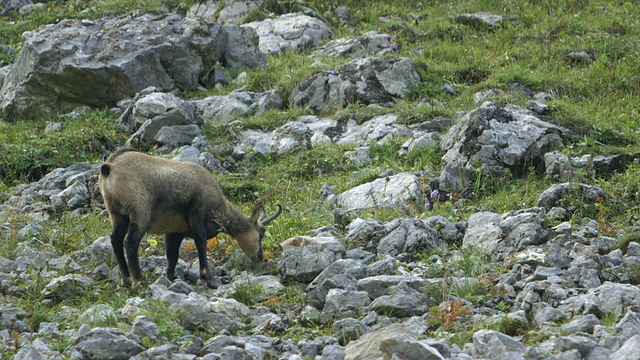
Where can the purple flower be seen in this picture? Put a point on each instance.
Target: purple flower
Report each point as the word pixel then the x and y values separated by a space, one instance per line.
pixel 388 37
pixel 435 193
pixel 555 176
pixel 427 205
pixel 394 48
pixel 567 172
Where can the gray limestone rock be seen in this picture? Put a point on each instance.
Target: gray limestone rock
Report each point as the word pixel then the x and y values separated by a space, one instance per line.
pixel 306 262
pixel 68 64
pixel 492 139
pixel 367 81
pixel 341 304
pixel 348 329
pixel 289 32
pixel 107 343
pixel 394 191
pixel 480 20
pixel 66 286
pixel 491 344
pixel 368 44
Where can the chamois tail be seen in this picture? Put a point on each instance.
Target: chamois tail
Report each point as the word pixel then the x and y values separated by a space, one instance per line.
pixel 105 170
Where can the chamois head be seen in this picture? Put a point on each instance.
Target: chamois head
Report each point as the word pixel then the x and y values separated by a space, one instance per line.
pixel 250 241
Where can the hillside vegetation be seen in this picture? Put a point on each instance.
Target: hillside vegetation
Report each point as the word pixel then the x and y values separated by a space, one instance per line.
pixel 598 99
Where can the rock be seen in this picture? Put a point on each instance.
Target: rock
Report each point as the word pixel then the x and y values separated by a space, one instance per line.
pixel 239 103
pixel 360 156
pixel 560 166
pixel 332 352
pixel 196 313
pixel 483 232
pixel 379 128
pixel 480 20
pixel 350 267
pixel 629 325
pixel 347 330
pixel 407 237
pixel 289 32
pixel 498 139
pixel 243 53
pixel 184 114
pixel 54 68
pixel 558 194
pixel 292 137
pixel 581 57
pixel 368 44
pixel 380 285
pixel 607 298
pixel 491 344
pixel 401 303
pixel 234 12
pixel 583 324
pixel 341 304
pixel 204 159
pixel 205 10
pixel 107 343
pixel 629 350
pixel 410 349
pixel 305 263
pixel 66 286
pixel 583 344
pixel 365 81
pixel 149 104
pixel 177 135
pixel 28 352
pixel 537 106
pixel 238 347
pixel 384 343
pixel 394 191
pixel 143 327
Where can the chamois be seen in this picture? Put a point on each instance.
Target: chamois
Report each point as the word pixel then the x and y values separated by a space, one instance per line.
pixel 148 194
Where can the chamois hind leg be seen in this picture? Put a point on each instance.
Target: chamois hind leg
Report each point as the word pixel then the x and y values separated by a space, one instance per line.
pixel 120 226
pixel 172 243
pixel 132 244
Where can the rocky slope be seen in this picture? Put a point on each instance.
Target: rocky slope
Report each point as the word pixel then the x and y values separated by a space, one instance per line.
pixel 526 284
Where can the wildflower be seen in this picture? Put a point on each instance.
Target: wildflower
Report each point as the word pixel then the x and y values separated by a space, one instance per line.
pixel 567 172
pixel 555 176
pixel 427 205
pixel 388 37
pixel 394 48
pixel 435 193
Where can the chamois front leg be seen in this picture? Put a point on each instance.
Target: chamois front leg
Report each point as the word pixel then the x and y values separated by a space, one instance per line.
pixel 120 225
pixel 200 239
pixel 172 243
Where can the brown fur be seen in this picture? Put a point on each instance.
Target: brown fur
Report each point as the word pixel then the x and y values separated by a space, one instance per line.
pixel 144 193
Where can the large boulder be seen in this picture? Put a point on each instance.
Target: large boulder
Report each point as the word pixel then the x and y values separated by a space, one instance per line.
pixel 365 81
pixel 289 32
pixel 394 191
pixel 493 139
pixel 97 63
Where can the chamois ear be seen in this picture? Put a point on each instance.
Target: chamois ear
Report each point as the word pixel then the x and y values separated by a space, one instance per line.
pixel 255 214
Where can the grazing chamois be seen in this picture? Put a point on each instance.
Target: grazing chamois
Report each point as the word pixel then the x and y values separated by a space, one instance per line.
pixel 149 194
